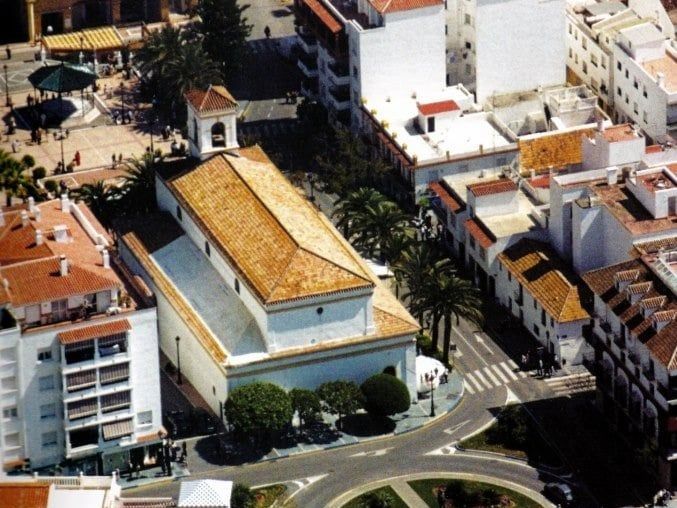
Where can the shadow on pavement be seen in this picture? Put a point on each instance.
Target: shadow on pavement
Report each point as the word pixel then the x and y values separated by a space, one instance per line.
pixel 364 425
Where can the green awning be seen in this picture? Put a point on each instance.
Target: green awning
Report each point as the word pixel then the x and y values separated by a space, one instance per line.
pixel 62 78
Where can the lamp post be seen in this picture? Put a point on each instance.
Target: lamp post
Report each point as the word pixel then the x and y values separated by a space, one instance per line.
pixel 122 99
pixel 152 124
pixel 179 379
pixel 7 101
pixel 430 378
pixel 63 165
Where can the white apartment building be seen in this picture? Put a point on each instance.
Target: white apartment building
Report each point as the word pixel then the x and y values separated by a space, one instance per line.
pixel 645 80
pixel 597 215
pixel 352 49
pixel 635 342
pixel 482 35
pixel 78 350
pixel 253 283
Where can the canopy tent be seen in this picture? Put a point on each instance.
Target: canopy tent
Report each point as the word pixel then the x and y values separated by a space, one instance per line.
pixel 205 494
pixel 96 39
pixel 62 78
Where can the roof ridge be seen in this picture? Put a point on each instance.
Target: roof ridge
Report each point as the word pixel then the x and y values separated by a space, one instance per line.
pixel 204 97
pixel 362 276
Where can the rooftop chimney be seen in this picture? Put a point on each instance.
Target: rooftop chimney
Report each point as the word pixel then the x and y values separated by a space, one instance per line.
pixel 65 203
pixel 660 78
pixel 38 237
pixel 24 218
pixel 5 284
pixel 37 214
pixel 61 233
pixel 31 203
pixel 106 258
pixel 611 176
pixel 2 217
pixel 63 265
pixel 600 123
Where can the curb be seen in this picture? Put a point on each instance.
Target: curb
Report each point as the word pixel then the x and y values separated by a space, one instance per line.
pixel 352 494
pixel 537 465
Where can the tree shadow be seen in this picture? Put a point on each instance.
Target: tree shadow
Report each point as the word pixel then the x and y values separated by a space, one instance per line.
pixel 365 425
pixel 225 450
pixel 319 433
pixel 281 13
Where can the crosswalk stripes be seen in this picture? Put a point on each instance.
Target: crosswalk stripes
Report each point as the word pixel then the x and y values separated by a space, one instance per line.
pixel 492 376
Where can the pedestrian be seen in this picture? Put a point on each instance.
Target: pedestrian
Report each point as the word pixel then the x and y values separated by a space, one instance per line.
pixel 184 449
pixel 43 120
pixel 29 100
pixel 15 146
pixel 34 136
pixel 524 361
pixel 112 158
pixel 67 132
pixel 76 158
pixel 119 158
pixel 266 31
pixel 39 136
pixel 539 371
pixel 8 51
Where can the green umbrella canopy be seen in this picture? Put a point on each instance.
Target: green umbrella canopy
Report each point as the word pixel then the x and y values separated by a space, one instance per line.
pixel 62 78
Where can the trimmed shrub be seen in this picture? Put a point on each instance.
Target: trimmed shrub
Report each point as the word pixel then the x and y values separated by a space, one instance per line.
pixel 39 173
pixel 307 403
pixel 51 186
pixel 385 395
pixel 259 408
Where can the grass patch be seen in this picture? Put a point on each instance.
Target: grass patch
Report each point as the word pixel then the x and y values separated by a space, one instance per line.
pixel 266 496
pixel 427 489
pixel 360 501
pixel 514 433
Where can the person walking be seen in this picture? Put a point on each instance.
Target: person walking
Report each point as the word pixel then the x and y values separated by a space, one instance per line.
pixel 8 52
pixel 266 31
pixel 15 146
pixel 76 158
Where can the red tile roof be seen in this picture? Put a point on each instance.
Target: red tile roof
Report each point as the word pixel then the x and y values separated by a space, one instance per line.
pixel 215 98
pixel 475 229
pixel 40 281
pixel 653 149
pixel 93 331
pixel 540 182
pixel 433 108
pixel 323 14
pixel 446 197
pixel 24 495
pixel 623 132
pixel 17 243
pixel 384 6
pixel 493 187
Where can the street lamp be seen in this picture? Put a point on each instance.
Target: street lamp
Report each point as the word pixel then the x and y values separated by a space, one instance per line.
pixel 63 165
pixel 179 379
pixel 8 103
pixel 430 378
pixel 122 98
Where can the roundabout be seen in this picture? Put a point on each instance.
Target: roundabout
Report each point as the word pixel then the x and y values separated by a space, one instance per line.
pixel 412 490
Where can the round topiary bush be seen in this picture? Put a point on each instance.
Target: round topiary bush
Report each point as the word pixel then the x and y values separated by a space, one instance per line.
pixel 385 395
pixel 51 186
pixel 259 408
pixel 39 173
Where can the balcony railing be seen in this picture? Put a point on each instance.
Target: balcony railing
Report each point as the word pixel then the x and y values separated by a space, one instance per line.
pixel 619 340
pixel 307 42
pixel 308 65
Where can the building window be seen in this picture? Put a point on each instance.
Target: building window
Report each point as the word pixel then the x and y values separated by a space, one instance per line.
pixel 509 277
pixel 446 29
pixel 59 310
pixel 636 85
pixel 48 439
pixel 144 417
pixel 468 69
pixel 355 72
pixel 635 108
pixel 644 117
pixel 552 322
pixel 576 58
pixel 431 124
pixel 537 331
pixel 483 253
pixel 10 412
pixel 627 74
pixel 619 66
pixel 44 355
pixel 619 92
pixel 603 62
pixel 585 68
pixel 467 19
pixel 543 321
pixel 471 242
pixel 46 383
pixel 237 286
pixel 593 60
pixel 47 411
pixel 646 96
pixel 570 29
pixel 468 45
pixel 584 43
pixel 179 214
pixel 208 250
pixel 576 34
pixel 8 383
pixel 571 53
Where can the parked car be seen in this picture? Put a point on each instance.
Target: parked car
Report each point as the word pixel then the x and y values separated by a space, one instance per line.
pixel 559 493
pixel 178 424
pixel 203 422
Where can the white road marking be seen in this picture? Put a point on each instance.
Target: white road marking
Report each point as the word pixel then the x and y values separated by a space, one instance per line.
pixel 479 339
pixel 509 371
pixel 468 387
pixel 478 375
pixel 467 343
pixel 511 398
pixel 478 385
pixel 454 428
pixel 373 453
pixel 493 378
pixel 449 449
pixel 500 374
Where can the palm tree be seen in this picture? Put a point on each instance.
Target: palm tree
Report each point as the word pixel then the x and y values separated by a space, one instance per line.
pixel 378 224
pixel 158 50
pixel 13 178
pixel 456 298
pixel 350 207
pixel 98 197
pixel 138 191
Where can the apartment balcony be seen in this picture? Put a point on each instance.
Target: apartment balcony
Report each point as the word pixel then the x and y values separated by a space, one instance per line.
pixel 308 65
pixel 339 74
pixel 307 43
pixel 310 88
pixel 619 341
pixel 339 97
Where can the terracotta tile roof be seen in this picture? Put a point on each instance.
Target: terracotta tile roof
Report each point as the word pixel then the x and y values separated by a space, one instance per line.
pixel 622 132
pixel 492 187
pixel 40 281
pixel 630 212
pixel 433 108
pixel 662 344
pixel 215 98
pixel 653 149
pixel 446 197
pixel 324 15
pixel 556 150
pixel 540 182
pixel 653 303
pixel 544 276
pixel 479 233
pixel 17 243
pixel 640 288
pixel 94 331
pixel 24 495
pixel 652 246
pixel 273 237
pixel 384 6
